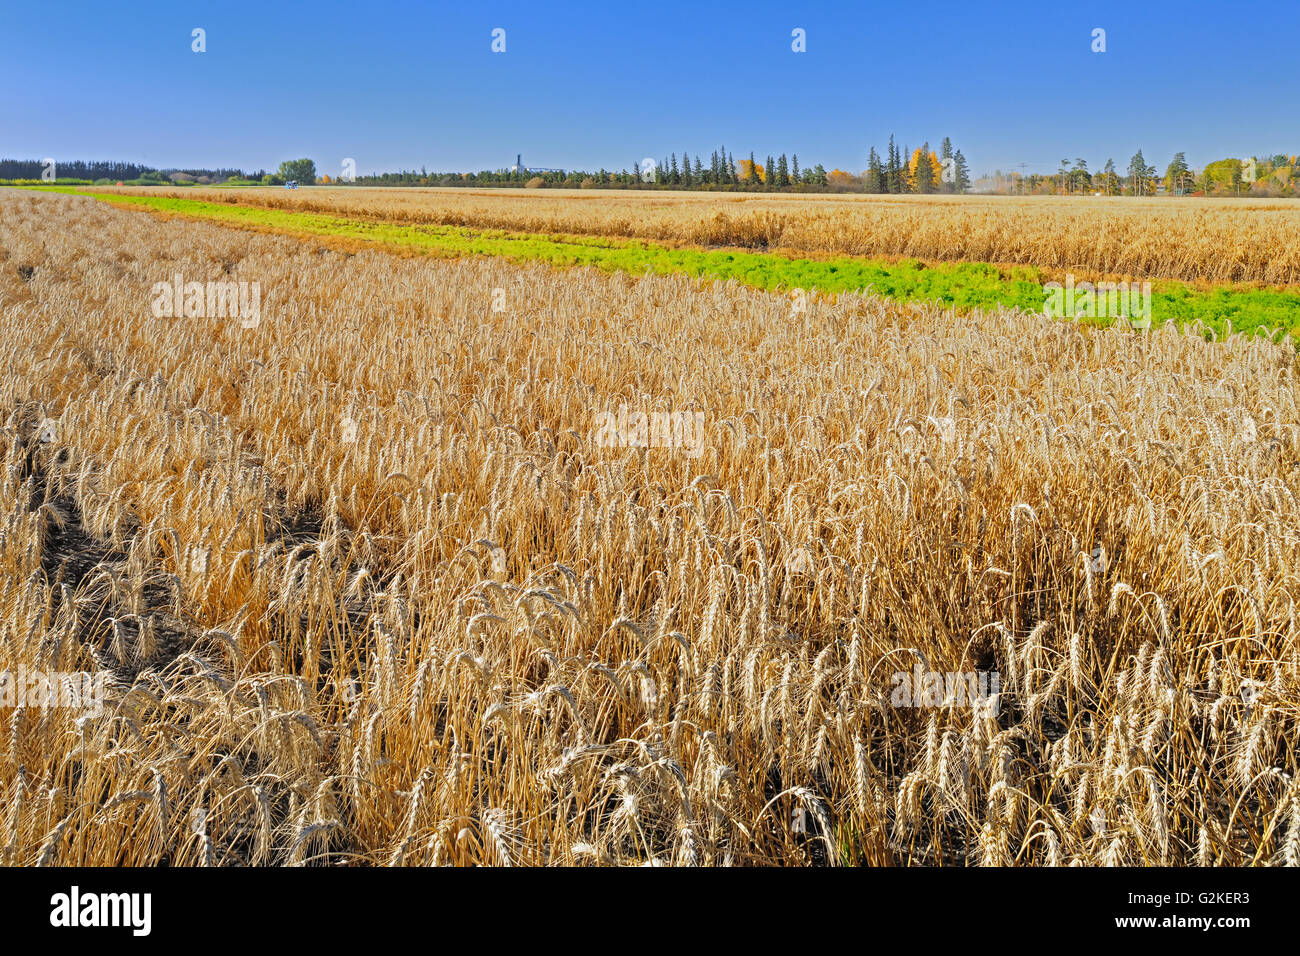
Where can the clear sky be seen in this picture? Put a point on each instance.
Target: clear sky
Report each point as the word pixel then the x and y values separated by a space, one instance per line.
pixel 394 83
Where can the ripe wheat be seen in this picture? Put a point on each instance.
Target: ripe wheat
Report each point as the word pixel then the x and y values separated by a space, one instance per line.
pixel 370 592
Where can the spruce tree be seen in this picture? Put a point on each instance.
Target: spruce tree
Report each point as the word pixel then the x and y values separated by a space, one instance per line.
pixel 875 173
pixel 961 172
pixel 893 177
pixel 924 170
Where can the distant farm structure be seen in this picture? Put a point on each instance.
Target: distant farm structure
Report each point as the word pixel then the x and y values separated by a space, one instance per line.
pixel 519 167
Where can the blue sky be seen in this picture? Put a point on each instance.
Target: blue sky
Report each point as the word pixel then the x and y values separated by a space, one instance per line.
pixel 584 84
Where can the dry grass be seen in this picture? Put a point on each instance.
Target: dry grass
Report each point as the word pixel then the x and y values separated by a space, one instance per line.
pixel 473 637
pixel 1192 240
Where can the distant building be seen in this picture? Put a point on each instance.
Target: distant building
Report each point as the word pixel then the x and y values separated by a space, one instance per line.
pixel 519 167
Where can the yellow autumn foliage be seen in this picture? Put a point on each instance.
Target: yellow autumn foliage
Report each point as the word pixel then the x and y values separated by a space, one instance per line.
pixel 742 170
pixel 934 169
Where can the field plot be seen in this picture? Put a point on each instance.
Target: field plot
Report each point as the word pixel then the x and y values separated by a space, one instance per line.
pixel 375 584
pixel 958 229
pixel 1192 241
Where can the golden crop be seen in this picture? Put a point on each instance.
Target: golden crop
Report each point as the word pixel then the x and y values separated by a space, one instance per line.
pixel 1212 240
pixel 370 593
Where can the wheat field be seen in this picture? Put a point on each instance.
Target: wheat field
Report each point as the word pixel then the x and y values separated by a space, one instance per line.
pixel 1198 241
pixel 369 592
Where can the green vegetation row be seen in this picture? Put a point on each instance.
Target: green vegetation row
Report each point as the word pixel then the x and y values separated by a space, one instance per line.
pixel 959 285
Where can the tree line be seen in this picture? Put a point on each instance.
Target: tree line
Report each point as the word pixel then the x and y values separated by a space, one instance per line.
pixel 1274 175
pixel 302 171
pixel 106 171
pixel 899 171
pixel 895 170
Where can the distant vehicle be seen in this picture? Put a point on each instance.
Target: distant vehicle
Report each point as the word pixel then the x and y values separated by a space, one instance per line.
pixel 291 184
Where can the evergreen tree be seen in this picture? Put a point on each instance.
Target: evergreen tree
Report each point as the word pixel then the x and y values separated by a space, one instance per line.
pixel 875 179
pixel 1178 177
pixel 945 153
pixel 794 167
pixel 1080 178
pixel 752 176
pixel 924 170
pixel 782 171
pixel 893 182
pixel 961 172
pixel 1137 173
pixel 769 173
pixel 1108 171
pixel 699 170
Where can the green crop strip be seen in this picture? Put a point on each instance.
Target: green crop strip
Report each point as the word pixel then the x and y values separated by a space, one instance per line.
pixel 959 285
